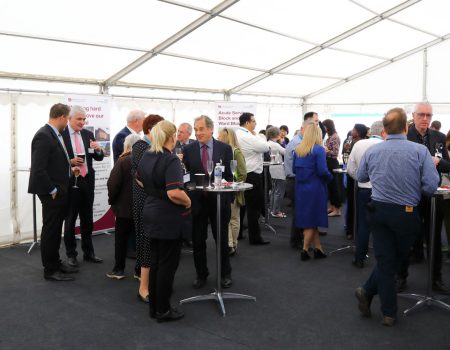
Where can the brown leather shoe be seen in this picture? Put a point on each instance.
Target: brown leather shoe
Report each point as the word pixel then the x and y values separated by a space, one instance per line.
pixel 388 321
pixel 364 301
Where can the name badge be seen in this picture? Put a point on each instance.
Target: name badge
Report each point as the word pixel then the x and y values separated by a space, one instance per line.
pixel 186 178
pixel 409 209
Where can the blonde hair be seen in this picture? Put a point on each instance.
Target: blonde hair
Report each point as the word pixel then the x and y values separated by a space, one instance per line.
pixel 160 134
pixel 229 136
pixel 312 136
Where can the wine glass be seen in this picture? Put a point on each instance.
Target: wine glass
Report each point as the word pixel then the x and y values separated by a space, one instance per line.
pixel 210 168
pixel 233 167
pixel 76 173
pixel 178 152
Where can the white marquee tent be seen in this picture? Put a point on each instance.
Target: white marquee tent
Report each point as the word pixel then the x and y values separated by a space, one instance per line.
pixel 349 60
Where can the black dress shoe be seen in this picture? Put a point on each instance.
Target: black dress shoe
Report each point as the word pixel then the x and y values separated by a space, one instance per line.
pixel 226 282
pixel 145 299
pixel 304 255
pixel 72 261
pixel 199 283
pixel 58 276
pixel 171 315
pixel 358 263
pixel 319 254
pixel 93 258
pixel 440 287
pixel 261 242
pixel 66 268
pixel 364 301
pixel 400 285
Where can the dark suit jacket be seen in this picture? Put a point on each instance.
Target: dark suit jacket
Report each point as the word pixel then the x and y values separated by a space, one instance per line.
pixel 178 144
pixel 192 161
pixel 117 145
pixel 120 188
pixel 434 138
pixel 86 136
pixel 49 165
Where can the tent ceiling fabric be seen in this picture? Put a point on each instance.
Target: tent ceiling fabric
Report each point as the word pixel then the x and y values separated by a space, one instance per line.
pixel 283 47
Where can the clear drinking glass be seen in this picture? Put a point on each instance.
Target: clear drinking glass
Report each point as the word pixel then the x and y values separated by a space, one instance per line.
pixel 76 173
pixel 210 169
pixel 233 167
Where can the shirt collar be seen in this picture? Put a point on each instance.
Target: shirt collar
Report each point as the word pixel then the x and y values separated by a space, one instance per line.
pixel 376 137
pixel 54 129
pixel 209 144
pixel 396 137
pixel 71 131
pixel 243 129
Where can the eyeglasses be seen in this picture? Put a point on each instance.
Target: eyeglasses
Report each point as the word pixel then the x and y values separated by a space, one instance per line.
pixel 424 115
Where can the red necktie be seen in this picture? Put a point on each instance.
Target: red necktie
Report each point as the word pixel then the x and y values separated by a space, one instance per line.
pixel 205 158
pixel 78 149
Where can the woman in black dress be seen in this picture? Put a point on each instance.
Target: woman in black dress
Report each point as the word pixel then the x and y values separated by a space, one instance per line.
pixel 166 216
pixel 142 268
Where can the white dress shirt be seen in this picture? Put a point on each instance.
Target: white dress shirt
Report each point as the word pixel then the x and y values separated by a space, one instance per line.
pixel 253 147
pixel 277 171
pixel 74 148
pixel 355 157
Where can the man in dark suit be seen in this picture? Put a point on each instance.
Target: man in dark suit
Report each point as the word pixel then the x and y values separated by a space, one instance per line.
pixel 49 179
pixel 420 132
pixel 82 149
pixel 184 133
pixel 204 206
pixel 134 126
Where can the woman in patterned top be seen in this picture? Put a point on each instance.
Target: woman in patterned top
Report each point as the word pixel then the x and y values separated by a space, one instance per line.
pixel 332 145
pixel 142 243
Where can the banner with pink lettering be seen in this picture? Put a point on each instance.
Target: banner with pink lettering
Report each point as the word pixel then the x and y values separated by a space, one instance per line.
pixel 98 120
pixel 228 113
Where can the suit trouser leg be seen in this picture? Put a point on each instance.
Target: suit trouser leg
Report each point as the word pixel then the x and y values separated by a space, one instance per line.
pixel 394 231
pixel 224 222
pixel 69 222
pixel 253 200
pixel 199 235
pixel 53 213
pixel 164 259
pixel 86 219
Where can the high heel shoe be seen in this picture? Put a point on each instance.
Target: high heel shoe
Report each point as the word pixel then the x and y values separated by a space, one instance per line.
pixel 319 254
pixel 304 255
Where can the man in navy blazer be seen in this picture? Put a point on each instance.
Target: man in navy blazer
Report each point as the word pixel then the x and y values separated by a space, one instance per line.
pixel 134 126
pixel 204 206
pixel 82 196
pixel 184 133
pixel 49 180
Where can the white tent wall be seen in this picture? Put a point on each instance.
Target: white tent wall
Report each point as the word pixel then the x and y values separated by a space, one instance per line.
pixel 5 178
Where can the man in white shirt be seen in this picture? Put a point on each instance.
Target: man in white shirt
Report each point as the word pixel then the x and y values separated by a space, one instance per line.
pixel 253 147
pixel 363 193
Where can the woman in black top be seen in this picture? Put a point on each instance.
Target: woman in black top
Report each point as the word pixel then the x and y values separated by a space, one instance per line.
pixel 166 216
pixel 119 197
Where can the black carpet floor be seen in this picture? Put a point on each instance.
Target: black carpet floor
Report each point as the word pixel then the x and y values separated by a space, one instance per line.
pixel 299 305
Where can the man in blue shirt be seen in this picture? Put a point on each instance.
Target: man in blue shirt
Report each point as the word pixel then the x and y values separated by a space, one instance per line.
pixel 395 217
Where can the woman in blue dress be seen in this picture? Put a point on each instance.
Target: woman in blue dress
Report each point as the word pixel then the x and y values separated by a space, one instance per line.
pixel 311 178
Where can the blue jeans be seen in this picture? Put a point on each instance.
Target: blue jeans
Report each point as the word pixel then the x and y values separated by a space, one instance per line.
pixel 363 227
pixel 394 230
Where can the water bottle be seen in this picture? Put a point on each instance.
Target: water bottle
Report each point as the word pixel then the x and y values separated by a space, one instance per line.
pixel 218 175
